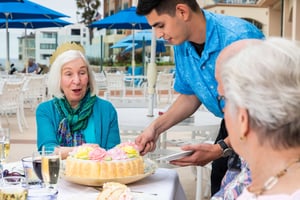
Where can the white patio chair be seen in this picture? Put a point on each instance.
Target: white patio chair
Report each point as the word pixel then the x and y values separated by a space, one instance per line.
pixel 34 90
pixel 164 83
pixel 11 101
pixel 100 80
pixel 115 84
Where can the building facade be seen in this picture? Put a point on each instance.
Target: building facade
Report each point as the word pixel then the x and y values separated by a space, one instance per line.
pixel 41 44
pixel 273 17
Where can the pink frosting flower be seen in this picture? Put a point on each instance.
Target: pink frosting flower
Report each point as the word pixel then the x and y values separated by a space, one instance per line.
pixel 97 154
pixel 116 154
pixel 126 144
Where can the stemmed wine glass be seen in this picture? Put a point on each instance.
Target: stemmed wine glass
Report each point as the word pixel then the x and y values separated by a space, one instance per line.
pixel 50 166
pixel 4 147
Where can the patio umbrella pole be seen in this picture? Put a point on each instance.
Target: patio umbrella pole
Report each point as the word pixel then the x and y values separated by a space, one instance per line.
pixel 25 48
pixel 133 61
pixel 152 75
pixel 7 43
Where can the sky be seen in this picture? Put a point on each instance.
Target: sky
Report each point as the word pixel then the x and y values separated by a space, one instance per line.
pixel 67 7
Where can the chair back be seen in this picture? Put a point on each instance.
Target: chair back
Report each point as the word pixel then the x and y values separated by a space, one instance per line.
pixel 115 84
pixel 164 81
pixel 11 96
pixel 164 85
pixel 34 90
pixel 100 80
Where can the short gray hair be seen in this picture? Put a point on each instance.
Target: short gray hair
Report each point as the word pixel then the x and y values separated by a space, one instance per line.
pixel 54 75
pixel 264 78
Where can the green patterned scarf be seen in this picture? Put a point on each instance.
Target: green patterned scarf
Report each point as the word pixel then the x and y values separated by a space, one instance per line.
pixel 74 121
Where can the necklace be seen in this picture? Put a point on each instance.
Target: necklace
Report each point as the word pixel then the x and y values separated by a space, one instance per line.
pixel 269 184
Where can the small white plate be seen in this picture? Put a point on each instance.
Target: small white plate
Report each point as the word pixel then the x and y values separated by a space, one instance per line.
pixel 176 156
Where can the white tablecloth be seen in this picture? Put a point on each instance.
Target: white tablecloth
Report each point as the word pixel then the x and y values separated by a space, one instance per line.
pixel 162 185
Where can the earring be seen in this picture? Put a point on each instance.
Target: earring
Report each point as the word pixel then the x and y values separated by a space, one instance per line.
pixel 242 138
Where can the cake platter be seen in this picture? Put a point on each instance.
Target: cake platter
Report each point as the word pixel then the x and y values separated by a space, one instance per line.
pixel 150 167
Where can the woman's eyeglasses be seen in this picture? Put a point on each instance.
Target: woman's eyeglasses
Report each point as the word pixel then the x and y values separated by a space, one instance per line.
pixel 221 102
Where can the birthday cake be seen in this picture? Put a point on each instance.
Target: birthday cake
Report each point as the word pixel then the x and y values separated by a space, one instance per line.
pixel 88 161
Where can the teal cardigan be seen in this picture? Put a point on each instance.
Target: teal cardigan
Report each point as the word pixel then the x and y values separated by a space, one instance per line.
pixel 102 128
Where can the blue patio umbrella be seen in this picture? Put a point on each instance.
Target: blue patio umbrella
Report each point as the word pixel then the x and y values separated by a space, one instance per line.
pixel 27 10
pixel 5 1
pixel 140 38
pixel 124 19
pixel 33 23
pixel 24 10
pixel 160 47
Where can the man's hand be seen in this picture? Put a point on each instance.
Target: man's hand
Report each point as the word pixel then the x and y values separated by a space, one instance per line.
pixel 146 141
pixel 203 154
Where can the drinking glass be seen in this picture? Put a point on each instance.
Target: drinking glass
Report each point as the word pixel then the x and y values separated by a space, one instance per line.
pixel 4 147
pixel 50 166
pixel 37 164
pixel 31 178
pixel 13 188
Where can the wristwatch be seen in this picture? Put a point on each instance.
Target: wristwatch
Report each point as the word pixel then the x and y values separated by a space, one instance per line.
pixel 227 151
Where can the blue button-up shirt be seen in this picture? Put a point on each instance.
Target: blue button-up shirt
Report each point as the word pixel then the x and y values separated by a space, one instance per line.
pixel 195 75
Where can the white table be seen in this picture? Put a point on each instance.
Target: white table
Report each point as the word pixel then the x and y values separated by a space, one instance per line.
pixel 136 119
pixel 163 184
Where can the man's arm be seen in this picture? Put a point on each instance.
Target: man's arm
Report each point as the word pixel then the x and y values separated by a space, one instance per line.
pixel 183 107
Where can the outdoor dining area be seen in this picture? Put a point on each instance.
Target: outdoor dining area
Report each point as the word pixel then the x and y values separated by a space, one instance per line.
pixel 26 91
pixel 139 95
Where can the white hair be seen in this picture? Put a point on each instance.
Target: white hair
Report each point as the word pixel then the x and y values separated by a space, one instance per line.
pixel 264 78
pixel 54 76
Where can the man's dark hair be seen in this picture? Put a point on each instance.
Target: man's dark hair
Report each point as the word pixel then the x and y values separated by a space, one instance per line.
pixel 144 7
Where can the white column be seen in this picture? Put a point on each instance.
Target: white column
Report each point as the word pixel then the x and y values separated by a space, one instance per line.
pixel 296 20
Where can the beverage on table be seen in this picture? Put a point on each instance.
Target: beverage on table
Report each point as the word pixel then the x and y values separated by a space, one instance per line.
pixel 4 149
pixel 4 143
pixel 37 164
pixel 50 167
pixel 30 175
pixel 12 188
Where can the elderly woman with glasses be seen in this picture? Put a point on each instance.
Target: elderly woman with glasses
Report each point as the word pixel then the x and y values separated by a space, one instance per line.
pixel 259 88
pixel 75 115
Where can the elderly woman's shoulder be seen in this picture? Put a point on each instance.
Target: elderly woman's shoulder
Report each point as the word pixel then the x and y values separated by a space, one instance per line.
pixel 46 106
pixel 46 103
pixel 103 102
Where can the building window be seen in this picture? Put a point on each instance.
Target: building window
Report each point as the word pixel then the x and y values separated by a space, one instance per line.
pixel 49 34
pixel 47 46
pixel 75 31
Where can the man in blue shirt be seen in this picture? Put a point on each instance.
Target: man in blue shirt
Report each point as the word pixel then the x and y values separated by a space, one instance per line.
pixel 32 67
pixel 198 37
